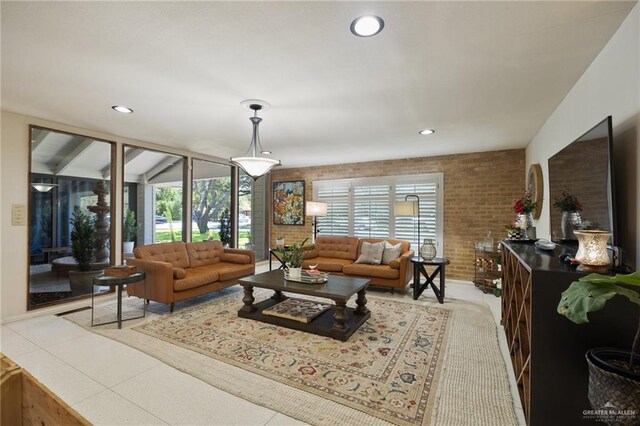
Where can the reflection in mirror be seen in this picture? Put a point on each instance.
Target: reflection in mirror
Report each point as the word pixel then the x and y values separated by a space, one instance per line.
pixel 70 185
pixel 580 185
pixel 153 198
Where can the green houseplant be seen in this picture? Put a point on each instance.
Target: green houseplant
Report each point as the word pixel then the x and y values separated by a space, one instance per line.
pixel 225 228
pixel 129 230
pixel 293 256
pixel 614 374
pixel 83 243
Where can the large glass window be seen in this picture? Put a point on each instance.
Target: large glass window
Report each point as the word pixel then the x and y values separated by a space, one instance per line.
pixel 211 202
pixel 153 197
pixel 364 207
pixel 70 179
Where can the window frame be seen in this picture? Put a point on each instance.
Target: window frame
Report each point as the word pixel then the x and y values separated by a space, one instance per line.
pixel 392 182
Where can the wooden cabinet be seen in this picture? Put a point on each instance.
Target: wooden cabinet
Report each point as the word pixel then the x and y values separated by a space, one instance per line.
pixel 547 350
pixel 26 401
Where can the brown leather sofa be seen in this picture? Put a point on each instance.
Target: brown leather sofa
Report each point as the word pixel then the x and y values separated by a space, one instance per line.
pixel 178 271
pixel 337 255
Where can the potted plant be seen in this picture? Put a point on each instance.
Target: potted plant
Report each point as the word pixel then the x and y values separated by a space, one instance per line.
pixel 571 219
pixel 614 374
pixel 225 228
pixel 280 241
pixel 129 230
pixel 293 256
pixel 83 242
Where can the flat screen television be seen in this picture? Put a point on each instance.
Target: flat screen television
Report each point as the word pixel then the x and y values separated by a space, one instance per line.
pixel 584 169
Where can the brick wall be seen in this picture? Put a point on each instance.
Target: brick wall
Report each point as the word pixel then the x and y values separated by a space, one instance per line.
pixel 479 192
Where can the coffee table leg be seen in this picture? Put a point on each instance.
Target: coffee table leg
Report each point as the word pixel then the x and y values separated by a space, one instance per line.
pixel 361 301
pixel 248 299
pixel 340 315
pixel 277 295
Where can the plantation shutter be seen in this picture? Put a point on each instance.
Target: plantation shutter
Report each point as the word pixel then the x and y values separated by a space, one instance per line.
pixel 364 207
pixel 336 222
pixel 371 211
pixel 406 226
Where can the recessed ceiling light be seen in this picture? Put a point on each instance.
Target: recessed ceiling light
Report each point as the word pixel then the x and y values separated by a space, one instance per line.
pixel 426 131
pixel 122 109
pixel 265 152
pixel 367 26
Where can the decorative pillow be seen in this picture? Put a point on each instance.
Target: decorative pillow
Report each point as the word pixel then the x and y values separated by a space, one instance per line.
pixel 390 252
pixel 371 253
pixel 179 273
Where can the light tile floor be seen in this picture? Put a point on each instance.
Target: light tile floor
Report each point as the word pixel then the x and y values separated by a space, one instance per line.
pixel 112 384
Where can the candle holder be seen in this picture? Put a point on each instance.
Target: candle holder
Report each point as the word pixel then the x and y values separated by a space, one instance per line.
pixel 592 251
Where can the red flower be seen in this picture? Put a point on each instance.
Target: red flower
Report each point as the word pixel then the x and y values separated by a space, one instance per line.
pixel 524 204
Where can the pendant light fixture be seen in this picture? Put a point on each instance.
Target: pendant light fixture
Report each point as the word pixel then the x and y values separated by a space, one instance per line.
pixel 253 165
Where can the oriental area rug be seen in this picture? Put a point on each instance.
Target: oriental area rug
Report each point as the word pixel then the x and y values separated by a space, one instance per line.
pixel 410 364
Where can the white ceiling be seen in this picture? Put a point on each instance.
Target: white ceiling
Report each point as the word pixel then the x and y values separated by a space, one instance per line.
pixel 485 75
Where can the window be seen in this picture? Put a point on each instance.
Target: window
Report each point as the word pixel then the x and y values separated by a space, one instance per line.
pixel 363 207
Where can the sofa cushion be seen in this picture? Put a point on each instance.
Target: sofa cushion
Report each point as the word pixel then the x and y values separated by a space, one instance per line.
pixel 337 247
pixel 391 252
pixel 242 259
pixel 365 270
pixel 195 277
pixel 174 253
pixel 179 273
pixel 204 253
pixel 231 271
pixel 371 253
pixel 327 264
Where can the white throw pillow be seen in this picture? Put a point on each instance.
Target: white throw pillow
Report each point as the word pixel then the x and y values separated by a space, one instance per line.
pixel 390 252
pixel 371 253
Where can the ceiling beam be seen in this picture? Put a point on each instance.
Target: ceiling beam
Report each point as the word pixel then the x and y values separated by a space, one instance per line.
pixel 37 136
pixel 128 157
pixel 160 167
pixel 81 146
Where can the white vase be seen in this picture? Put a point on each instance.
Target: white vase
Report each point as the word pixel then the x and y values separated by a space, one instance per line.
pixel 128 246
pixel 295 272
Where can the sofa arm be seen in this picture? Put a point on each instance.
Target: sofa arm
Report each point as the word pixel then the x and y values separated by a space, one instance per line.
pixel 250 253
pixel 159 280
pixel 405 271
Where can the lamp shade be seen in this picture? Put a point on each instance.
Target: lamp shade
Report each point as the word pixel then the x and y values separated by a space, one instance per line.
pixel 315 208
pixel 405 208
pixel 43 187
pixel 255 166
pixel 592 248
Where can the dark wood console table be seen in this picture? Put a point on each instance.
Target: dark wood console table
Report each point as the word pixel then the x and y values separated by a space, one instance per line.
pixel 547 350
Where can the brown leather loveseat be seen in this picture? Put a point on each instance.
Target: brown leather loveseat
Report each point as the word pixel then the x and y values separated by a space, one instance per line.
pixel 337 255
pixel 178 271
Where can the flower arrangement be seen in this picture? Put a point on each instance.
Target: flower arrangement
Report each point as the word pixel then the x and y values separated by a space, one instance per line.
pixel 567 202
pixel 525 204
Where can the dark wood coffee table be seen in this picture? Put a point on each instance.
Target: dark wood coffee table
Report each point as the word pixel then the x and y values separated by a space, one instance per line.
pixel 339 322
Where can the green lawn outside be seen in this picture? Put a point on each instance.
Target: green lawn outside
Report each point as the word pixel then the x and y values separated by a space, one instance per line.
pixel 165 236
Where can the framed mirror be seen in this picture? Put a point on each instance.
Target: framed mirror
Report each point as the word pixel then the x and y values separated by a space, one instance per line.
pixel 70 206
